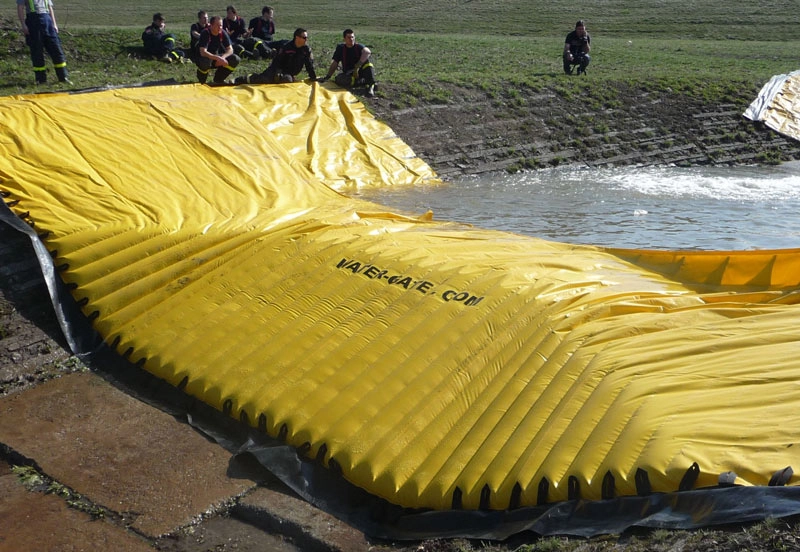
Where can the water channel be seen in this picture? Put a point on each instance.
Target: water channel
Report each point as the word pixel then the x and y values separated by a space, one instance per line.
pixel 711 208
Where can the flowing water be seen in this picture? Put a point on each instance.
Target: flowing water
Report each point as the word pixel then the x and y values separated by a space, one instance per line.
pixel 712 208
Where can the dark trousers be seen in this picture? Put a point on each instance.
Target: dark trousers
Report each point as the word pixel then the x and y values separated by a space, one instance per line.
pixel 270 75
pixel 580 59
pixel 166 47
pixel 204 66
pixel 42 36
pixel 365 77
pixel 258 46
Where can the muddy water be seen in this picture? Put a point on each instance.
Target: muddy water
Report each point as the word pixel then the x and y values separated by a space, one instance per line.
pixel 667 208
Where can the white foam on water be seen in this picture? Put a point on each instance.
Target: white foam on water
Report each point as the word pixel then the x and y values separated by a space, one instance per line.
pixel 739 183
pixel 652 207
pixel 745 184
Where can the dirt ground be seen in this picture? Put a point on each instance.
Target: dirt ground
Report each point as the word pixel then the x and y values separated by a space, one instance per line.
pixel 476 132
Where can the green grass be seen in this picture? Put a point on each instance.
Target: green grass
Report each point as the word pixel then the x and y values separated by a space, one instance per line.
pixel 503 19
pixel 695 48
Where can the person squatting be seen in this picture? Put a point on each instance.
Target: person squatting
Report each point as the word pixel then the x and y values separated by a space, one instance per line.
pixel 215 50
pixel 576 49
pixel 38 22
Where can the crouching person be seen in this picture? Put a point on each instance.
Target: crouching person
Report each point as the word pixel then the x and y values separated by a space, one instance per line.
pixel 576 49
pixel 215 51
pixel 357 68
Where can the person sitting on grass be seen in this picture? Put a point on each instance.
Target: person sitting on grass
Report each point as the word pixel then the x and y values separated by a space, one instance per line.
pixel 576 49
pixel 160 44
pixel 237 29
pixel 194 33
pixel 287 63
pixel 261 30
pixel 216 50
pixel 357 68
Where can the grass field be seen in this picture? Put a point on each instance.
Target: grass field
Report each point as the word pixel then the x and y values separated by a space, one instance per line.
pixel 680 19
pixel 695 46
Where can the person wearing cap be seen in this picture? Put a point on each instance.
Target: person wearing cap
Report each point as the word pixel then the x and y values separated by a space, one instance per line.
pixel 357 68
pixel 576 49
pixel 38 22
pixel 287 63
pixel 216 51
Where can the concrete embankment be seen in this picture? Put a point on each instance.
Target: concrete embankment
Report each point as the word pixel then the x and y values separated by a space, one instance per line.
pixel 477 131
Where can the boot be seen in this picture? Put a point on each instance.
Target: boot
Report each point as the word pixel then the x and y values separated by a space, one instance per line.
pixel 63 75
pixel 221 74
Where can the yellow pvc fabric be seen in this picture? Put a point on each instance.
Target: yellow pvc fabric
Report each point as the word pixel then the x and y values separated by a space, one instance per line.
pixel 436 365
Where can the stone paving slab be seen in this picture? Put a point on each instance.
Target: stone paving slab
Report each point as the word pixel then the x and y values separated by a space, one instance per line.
pixel 34 521
pixel 119 452
pixel 311 528
pixel 220 534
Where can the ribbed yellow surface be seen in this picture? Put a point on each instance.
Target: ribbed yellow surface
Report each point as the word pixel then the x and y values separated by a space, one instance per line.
pixel 427 359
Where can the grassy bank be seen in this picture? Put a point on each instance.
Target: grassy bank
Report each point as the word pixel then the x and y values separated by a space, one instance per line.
pixel 704 49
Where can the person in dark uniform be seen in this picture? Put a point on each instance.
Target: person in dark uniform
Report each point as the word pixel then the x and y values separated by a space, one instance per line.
pixel 216 50
pixel 576 49
pixel 159 43
pixel 263 27
pixel 357 68
pixel 287 63
pixel 236 28
pixel 194 33
pixel 38 22
pixel 261 30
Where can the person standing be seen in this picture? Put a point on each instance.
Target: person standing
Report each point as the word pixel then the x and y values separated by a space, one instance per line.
pixel 576 49
pixel 357 68
pixel 216 50
pixel 38 21
pixel 194 33
pixel 287 63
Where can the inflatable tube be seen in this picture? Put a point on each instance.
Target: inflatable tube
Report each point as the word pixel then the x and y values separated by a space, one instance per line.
pixel 434 365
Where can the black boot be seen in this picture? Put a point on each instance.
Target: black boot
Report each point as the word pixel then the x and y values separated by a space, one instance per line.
pixel 63 75
pixel 221 74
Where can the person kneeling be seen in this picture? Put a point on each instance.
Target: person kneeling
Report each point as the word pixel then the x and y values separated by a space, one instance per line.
pixel 216 50
pixel 357 68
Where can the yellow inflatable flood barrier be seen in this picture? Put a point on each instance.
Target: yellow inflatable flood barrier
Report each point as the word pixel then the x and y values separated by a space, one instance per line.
pixel 431 364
